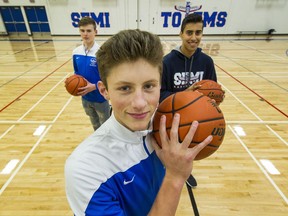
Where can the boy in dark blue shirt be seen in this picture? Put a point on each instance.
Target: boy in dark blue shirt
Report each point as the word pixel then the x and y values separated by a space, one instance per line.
pixel 187 64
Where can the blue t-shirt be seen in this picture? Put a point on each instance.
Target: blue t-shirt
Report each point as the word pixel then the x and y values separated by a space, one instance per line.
pixel 85 64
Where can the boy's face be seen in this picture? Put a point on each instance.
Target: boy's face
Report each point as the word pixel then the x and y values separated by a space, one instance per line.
pixel 134 91
pixel 87 33
pixel 191 37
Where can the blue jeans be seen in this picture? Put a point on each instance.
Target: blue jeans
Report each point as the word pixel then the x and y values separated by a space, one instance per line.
pixel 97 112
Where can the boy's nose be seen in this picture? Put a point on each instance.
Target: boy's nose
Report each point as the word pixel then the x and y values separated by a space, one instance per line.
pixel 139 101
pixel 193 35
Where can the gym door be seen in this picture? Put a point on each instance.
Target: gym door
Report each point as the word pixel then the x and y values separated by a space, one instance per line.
pixel 37 19
pixel 13 19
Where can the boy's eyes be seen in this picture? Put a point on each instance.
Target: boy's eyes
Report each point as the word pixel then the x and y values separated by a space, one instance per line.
pixel 148 86
pixel 129 88
pixel 82 30
pixel 197 33
pixel 124 88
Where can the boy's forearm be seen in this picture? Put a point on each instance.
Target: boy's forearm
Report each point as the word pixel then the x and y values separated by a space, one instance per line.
pixel 167 198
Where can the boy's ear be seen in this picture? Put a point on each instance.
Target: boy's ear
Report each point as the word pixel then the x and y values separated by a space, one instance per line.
pixel 103 90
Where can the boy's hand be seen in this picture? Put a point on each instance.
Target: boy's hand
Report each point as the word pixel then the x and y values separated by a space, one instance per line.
pixel 178 157
pixel 86 89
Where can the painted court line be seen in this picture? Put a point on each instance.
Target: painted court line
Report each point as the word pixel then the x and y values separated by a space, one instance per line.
pixel 31 108
pixel 34 86
pixel 251 90
pixel 32 149
pixel 254 114
pixel 259 165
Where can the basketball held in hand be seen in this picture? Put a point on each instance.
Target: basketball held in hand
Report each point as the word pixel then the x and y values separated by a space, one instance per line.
pixel 73 83
pixel 211 89
pixel 192 106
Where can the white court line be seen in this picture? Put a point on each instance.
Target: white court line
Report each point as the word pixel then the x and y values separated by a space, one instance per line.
pixel 259 165
pixel 42 98
pixel 227 90
pixel 277 135
pixel 23 161
pixel 63 108
pixel 32 149
pixel 7 131
pixel 246 148
pixel 227 122
pixel 261 72
pixel 261 51
pixel 236 76
pixel 254 76
pixel 254 114
pixel 254 122
pixel 40 138
pixel 30 77
pixel 9 167
pixel 25 122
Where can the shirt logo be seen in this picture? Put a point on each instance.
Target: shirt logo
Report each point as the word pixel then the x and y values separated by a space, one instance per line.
pixel 186 79
pixel 128 182
pixel 93 62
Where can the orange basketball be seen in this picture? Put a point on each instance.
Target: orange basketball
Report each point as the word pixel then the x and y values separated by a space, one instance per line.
pixel 74 82
pixel 192 105
pixel 211 89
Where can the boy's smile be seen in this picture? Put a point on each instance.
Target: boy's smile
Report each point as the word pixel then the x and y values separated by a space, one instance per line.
pixel 191 38
pixel 133 91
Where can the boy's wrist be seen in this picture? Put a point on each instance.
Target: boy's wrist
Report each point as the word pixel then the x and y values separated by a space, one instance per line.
pixel 175 181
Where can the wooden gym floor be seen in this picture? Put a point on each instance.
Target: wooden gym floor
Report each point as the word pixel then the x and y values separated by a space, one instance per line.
pixel 233 181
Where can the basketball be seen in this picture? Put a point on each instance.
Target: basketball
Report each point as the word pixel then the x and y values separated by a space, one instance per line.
pixel 211 89
pixel 192 105
pixel 74 82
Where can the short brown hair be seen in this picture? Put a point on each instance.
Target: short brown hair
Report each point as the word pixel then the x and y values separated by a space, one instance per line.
pixel 87 21
pixel 129 46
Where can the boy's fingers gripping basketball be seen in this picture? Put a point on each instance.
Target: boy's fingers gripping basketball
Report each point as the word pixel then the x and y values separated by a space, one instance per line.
pixel 162 129
pixel 202 145
pixel 211 89
pixel 174 128
pixel 154 144
pixel 188 138
pixel 73 83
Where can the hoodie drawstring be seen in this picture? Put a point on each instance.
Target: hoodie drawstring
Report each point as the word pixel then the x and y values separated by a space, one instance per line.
pixel 190 69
